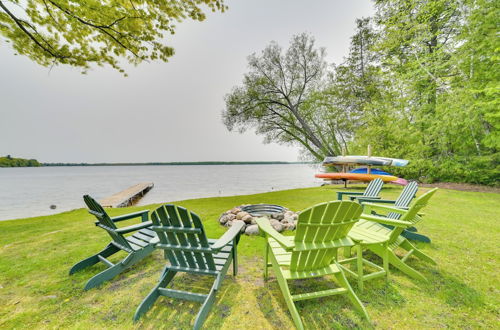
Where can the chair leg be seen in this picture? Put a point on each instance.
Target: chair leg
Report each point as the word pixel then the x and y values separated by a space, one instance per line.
pixel 126 263
pixel 154 294
pixel 207 305
pixel 393 259
pixel 286 294
pixel 90 261
pixel 235 259
pixel 266 262
pixel 416 252
pixel 104 276
pixel 222 274
pixel 385 260
pixel 351 295
pixel 359 261
pixel 163 273
pixel 347 251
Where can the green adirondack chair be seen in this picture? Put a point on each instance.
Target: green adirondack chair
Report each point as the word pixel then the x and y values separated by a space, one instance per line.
pixel 321 231
pixel 377 238
pixel 370 232
pixel 138 246
pixel 402 202
pixel 188 250
pixel 372 191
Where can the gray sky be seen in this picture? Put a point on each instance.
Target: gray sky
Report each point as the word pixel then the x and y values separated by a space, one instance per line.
pixel 162 111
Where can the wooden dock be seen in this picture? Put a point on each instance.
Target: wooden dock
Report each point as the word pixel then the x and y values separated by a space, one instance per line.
pixel 128 196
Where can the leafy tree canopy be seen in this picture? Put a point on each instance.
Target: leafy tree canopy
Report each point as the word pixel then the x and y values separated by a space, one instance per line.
pixel 81 33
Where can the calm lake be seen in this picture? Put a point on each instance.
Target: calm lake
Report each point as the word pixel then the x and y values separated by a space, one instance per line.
pixel 30 191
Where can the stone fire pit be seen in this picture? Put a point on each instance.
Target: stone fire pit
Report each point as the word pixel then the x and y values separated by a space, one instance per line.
pixel 280 217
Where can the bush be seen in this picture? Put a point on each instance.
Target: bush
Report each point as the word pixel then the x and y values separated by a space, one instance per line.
pixel 478 170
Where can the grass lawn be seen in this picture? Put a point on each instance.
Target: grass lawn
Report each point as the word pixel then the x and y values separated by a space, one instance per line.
pixel 463 291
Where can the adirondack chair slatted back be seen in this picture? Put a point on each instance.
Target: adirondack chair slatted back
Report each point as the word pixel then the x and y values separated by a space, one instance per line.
pixel 373 188
pixel 105 221
pixel 183 238
pixel 318 228
pixel 412 214
pixel 404 199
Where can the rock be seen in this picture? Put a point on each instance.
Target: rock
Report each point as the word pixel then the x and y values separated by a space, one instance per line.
pixel 241 214
pixel 277 225
pixel 288 214
pixel 247 218
pixel 235 210
pixel 278 216
pixel 231 216
pixel 254 221
pixel 295 216
pixel 289 226
pixel 252 230
pixel 229 223
pixel 224 218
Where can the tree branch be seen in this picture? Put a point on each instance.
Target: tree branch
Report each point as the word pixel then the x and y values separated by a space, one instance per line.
pixel 31 36
pixel 101 28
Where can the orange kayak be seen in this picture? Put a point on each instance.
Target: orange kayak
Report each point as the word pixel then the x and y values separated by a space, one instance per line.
pixel 355 176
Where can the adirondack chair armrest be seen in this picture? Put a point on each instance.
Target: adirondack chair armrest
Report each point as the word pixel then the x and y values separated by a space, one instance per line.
pixel 362 200
pixel 340 194
pixel 143 214
pixel 228 236
pixel 369 207
pixel 372 198
pixel 265 228
pixel 135 227
pixel 387 221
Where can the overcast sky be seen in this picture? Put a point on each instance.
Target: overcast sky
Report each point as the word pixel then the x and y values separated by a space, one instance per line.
pixel 162 111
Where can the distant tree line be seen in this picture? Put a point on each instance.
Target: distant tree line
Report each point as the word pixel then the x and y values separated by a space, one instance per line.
pixel 420 81
pixel 9 161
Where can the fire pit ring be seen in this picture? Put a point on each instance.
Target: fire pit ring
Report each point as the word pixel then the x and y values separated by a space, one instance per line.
pixel 259 210
pixel 279 217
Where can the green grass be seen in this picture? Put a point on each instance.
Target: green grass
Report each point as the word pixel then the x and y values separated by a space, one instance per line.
pixel 36 291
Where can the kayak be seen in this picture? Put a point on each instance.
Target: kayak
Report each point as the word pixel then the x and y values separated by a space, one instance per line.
pixel 364 160
pixel 400 181
pixel 364 170
pixel 355 176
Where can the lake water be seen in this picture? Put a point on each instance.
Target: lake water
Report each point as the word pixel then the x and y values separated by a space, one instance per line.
pixel 30 191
